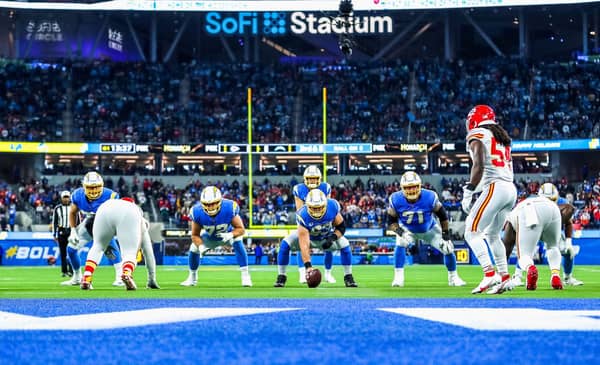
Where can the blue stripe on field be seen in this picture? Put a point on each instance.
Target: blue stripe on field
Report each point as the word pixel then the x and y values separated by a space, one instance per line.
pixel 328 331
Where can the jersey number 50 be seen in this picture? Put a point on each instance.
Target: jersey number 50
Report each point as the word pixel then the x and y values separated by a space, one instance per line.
pixel 500 156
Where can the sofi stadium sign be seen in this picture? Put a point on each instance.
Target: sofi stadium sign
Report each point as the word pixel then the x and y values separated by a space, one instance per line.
pixel 299 22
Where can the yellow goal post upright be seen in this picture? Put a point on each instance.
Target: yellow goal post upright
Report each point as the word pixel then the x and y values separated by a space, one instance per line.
pixel 253 226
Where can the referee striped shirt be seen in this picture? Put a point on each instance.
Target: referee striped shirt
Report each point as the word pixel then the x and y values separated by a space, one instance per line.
pixel 60 218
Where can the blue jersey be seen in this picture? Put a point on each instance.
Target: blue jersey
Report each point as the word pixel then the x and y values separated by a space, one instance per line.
pixel 417 217
pixel 319 228
pixel 90 207
pixel 301 190
pixel 220 223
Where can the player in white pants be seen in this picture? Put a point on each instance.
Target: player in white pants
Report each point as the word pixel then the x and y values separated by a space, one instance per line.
pixel 535 218
pixel 123 219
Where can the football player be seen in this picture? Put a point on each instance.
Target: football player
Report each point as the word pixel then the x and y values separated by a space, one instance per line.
pixel 565 244
pixel 535 218
pixel 87 199
pixel 492 175
pixel 312 180
pixel 120 217
pixel 216 222
pixel 411 216
pixel 320 225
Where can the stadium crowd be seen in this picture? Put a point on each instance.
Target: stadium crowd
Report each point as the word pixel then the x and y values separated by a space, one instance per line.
pixel 418 101
pixel 363 202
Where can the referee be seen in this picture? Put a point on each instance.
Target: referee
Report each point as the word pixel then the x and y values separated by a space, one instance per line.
pixel 61 230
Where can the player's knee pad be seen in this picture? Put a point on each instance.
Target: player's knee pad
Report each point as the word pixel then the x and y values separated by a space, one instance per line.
pixel 471 236
pixel 446 247
pixel 194 248
pixel 401 241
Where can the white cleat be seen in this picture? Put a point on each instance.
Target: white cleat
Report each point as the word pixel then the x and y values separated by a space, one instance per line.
pixel 75 280
pixel 398 283
pixel 571 281
pixel 329 278
pixel 455 280
pixel 118 282
pixel 517 280
pixel 190 281
pixel 505 285
pixel 302 279
pixel 246 280
pixel 486 283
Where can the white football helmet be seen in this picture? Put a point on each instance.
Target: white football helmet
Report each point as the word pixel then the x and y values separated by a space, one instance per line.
pixel 549 191
pixel 316 203
pixel 211 200
pixel 93 185
pixel 312 177
pixel 411 185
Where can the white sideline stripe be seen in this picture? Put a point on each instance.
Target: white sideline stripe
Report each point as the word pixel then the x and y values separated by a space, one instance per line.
pixel 135 318
pixel 508 319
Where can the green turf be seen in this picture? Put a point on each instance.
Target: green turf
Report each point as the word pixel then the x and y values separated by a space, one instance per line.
pixel 422 281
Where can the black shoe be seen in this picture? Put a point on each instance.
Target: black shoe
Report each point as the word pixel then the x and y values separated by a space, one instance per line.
pixel 152 284
pixel 64 274
pixel 280 283
pixel 349 281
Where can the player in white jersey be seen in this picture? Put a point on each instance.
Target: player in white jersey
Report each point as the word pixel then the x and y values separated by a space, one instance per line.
pixel 533 219
pixel 492 175
pixel 125 220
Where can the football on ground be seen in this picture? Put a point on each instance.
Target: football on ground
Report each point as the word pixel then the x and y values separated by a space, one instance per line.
pixel 313 278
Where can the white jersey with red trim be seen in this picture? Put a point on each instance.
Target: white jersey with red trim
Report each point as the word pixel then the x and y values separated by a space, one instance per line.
pixel 497 161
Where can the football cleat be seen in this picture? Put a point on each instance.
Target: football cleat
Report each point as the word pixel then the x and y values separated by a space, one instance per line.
pixel 504 285
pixel 486 283
pixel 118 282
pixel 86 283
pixel 349 281
pixel 190 281
pixel 517 280
pixel 571 281
pixel 152 284
pixel 556 282
pixel 329 278
pixel 455 280
pixel 532 277
pixel 128 282
pixel 398 279
pixel 75 280
pixel 281 279
pixel 246 280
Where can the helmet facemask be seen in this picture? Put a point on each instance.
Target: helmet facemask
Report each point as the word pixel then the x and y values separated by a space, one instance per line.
pixel 312 177
pixel 93 185
pixel 316 203
pixel 211 200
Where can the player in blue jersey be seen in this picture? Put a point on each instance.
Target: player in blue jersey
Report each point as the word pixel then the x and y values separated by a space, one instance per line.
pixel 412 215
pixel 321 226
pixel 86 200
pixel 312 180
pixel 216 222
pixel 565 244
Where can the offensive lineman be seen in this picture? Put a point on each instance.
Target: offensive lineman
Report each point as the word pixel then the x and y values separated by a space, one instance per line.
pixel 533 219
pixel 216 222
pixel 410 216
pixel 492 175
pixel 312 180
pixel 320 225
pixel 121 217
pixel 87 200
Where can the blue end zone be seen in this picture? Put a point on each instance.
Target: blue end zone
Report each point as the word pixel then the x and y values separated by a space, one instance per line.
pixel 325 331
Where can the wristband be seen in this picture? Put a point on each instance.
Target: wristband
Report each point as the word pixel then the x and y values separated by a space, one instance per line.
pixel 307 265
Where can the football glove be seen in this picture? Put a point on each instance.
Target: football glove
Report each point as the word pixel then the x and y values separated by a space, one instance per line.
pixel 73 239
pixel 226 237
pixel 329 240
pixel 467 199
pixel 570 248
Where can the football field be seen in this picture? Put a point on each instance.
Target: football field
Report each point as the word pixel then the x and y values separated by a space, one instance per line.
pixel 219 322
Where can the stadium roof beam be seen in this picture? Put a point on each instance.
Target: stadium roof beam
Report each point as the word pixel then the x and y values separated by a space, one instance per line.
pixel 136 40
pixel 176 40
pixel 99 35
pixel 397 38
pixel 412 39
pixel 523 43
pixel 483 35
pixel 584 28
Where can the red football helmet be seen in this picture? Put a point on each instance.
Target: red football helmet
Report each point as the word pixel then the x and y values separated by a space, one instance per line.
pixel 480 115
